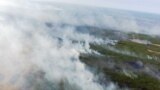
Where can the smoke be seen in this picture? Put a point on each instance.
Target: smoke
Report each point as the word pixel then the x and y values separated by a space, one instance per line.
pixel 39 56
pixel 37 49
pixel 75 15
pixel 125 21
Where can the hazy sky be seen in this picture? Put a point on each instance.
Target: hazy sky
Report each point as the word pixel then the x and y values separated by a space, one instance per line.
pixel 138 5
pixel 152 6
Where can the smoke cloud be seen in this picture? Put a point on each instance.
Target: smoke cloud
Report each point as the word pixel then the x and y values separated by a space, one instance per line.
pixel 40 56
pixel 37 51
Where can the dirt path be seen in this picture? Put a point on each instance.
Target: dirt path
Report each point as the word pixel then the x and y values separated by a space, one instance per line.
pixel 158 45
pixel 151 51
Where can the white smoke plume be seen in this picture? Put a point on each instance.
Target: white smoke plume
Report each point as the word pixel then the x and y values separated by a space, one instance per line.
pixel 38 53
pixel 126 21
pixel 34 56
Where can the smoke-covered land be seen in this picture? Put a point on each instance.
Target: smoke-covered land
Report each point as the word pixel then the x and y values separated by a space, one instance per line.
pixel 54 46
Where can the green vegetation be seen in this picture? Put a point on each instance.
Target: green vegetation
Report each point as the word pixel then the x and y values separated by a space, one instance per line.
pixel 139 49
pixel 111 54
pixel 134 52
pixel 153 39
pixel 119 57
pixel 142 82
